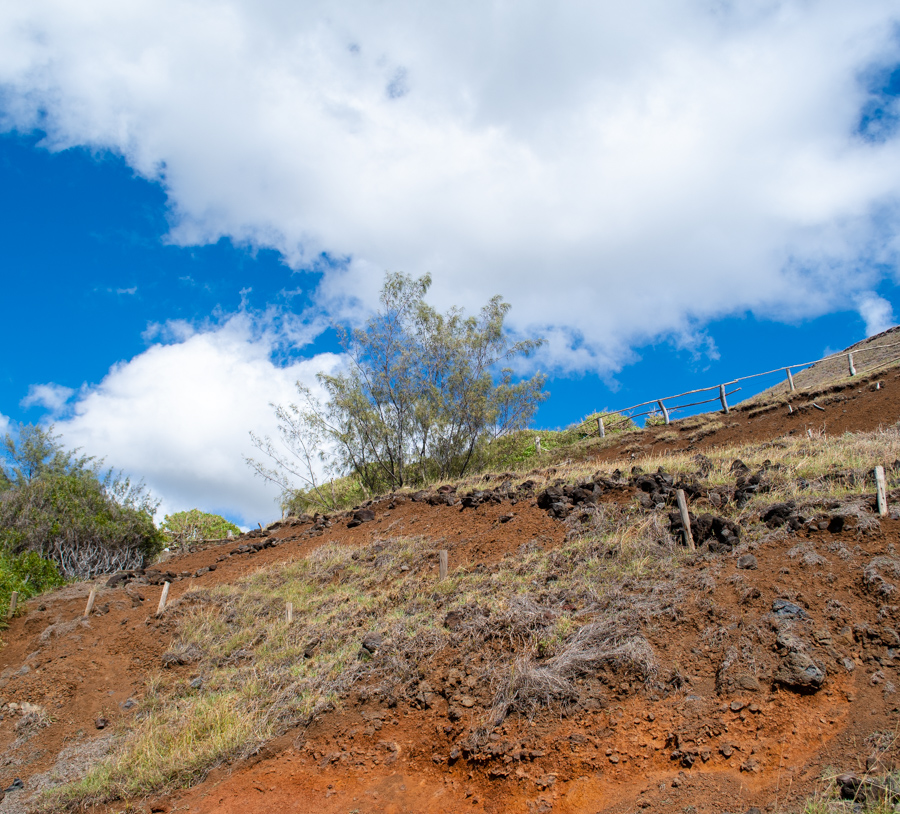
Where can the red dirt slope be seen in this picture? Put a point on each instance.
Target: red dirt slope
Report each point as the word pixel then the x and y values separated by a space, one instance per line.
pixel 692 743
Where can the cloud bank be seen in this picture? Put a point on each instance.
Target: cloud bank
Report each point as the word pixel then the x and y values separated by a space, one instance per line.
pixel 180 415
pixel 619 172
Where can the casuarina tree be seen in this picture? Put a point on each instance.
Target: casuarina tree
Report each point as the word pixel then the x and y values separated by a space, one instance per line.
pixel 421 395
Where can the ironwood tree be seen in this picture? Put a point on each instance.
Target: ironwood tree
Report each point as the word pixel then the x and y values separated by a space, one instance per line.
pixel 421 395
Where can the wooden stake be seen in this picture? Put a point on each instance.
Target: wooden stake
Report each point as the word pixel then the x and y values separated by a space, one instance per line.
pixel 790 409
pixel 881 491
pixel 443 559
pixel 809 433
pixel 685 519
pixel 90 603
pixel 790 379
pixel 665 412
pixel 162 599
pixel 600 428
pixel 537 444
pixel 722 398
pixel 289 613
pixel 13 601
pixel 850 364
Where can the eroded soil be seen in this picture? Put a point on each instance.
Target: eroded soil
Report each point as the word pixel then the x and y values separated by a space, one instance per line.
pixel 716 729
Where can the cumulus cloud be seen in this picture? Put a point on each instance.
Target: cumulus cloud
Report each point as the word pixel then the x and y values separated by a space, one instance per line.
pixel 5 424
pixel 619 172
pixel 877 313
pixel 52 397
pixel 179 414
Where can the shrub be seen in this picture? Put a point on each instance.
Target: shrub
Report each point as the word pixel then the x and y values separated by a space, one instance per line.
pixel 194 525
pixel 28 574
pixel 63 507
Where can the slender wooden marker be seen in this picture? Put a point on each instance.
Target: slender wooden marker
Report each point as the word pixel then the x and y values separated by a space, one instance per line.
pixel 442 564
pixel 790 379
pixel 13 602
pixel 289 613
pixel 881 491
pixel 665 412
pixel 600 428
pixel 850 364
pixel 685 519
pixel 162 599
pixel 537 444
pixel 790 409
pixel 809 433
pixel 722 399
pixel 90 603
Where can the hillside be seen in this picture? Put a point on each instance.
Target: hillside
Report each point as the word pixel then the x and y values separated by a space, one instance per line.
pixel 577 658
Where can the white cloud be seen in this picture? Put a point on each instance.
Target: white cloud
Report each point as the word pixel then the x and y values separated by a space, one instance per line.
pixel 5 424
pixel 179 415
pixel 619 171
pixel 877 313
pixel 52 397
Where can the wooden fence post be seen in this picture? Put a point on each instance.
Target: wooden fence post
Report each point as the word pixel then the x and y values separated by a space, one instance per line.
pixel 289 613
pixel 850 364
pixel 90 603
pixel 600 428
pixel 665 412
pixel 13 602
pixel 881 491
pixel 162 599
pixel 790 379
pixel 443 559
pixel 685 519
pixel 722 398
pixel 537 444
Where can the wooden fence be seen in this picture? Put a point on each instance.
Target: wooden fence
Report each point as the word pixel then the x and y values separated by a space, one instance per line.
pixel 663 406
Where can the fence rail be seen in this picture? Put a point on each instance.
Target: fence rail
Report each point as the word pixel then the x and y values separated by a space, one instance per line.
pixel 661 407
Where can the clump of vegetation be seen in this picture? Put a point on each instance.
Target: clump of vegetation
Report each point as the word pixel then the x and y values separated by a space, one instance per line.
pixel 194 526
pixel 67 509
pixel 28 574
pixel 333 496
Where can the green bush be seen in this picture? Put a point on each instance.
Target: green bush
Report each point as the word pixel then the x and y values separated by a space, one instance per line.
pixel 194 525
pixel 74 521
pixel 28 574
pixel 341 493
pixel 66 509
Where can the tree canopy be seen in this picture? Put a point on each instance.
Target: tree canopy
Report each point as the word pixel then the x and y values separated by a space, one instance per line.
pixel 422 394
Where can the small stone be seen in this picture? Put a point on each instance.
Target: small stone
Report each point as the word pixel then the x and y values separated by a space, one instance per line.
pixel 101 723
pixel 467 701
pixel 727 750
pixel 781 607
pixel 737 706
pixel 613 759
pixel 197 683
pixel 372 642
pixel 747 562
pixel 750 765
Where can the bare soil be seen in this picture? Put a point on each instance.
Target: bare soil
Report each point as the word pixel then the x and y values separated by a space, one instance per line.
pixel 709 738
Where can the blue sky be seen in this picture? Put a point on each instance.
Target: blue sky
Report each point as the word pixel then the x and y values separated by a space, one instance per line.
pixel 673 194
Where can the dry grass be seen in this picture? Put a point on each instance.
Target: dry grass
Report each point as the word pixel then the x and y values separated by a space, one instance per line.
pixel 262 677
pixel 538 619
